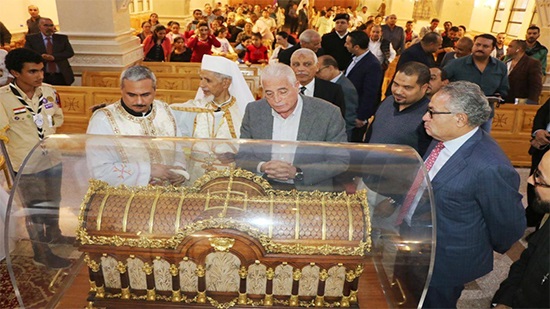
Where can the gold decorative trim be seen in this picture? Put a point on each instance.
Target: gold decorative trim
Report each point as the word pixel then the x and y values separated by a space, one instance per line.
pixel 350 218
pixel 199 183
pixel 201 298
pixel 345 302
pixel 176 296
pixel 271 201
pixel 100 292
pixel 100 213
pixel 293 301
pixel 353 296
pixel 271 246
pixel 297 226
pixel 152 213
pixel 223 223
pixel 221 244
pixel 268 300
pixel 125 293
pixel 147 269
pixel 324 218
pixel 127 211
pixel 242 299
pixel 151 295
pixel 178 214
pixel 319 301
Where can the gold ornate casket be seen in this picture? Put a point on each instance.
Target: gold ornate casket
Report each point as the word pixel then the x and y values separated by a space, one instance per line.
pixel 229 240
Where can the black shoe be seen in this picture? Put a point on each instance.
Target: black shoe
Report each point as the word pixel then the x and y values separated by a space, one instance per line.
pixel 51 260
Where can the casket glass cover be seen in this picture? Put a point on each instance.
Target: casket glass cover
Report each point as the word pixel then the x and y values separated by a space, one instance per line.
pixel 185 222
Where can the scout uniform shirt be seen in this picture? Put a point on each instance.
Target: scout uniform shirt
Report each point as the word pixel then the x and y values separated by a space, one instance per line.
pixel 19 124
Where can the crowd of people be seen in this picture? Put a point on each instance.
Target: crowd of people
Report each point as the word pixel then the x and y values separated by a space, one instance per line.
pixel 327 72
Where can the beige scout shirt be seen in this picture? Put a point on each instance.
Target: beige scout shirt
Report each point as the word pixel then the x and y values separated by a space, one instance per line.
pixel 19 131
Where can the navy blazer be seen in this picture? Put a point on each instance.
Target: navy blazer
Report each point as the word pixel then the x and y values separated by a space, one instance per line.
pixel 478 210
pixel 62 51
pixel 367 78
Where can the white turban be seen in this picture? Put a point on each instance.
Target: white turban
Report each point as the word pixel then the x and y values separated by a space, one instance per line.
pixel 238 88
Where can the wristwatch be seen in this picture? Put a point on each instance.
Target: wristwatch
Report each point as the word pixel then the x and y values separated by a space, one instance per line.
pixel 299 176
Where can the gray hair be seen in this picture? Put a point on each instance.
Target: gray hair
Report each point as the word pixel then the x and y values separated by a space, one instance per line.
pixel 304 52
pixel 278 71
pixel 308 35
pixel 466 97
pixel 137 73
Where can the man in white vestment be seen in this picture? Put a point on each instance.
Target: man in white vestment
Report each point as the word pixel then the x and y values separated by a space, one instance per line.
pixel 135 162
pixel 216 112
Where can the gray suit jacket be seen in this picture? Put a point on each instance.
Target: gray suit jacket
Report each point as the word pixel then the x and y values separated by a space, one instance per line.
pixel 352 102
pixel 320 121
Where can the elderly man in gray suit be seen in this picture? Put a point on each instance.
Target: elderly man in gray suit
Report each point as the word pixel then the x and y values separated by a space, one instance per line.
pixel 285 115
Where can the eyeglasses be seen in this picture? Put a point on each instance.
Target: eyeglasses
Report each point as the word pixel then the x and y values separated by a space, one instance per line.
pixel 322 68
pixel 432 113
pixel 536 175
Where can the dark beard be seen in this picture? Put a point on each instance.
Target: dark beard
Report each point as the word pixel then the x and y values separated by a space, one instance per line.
pixel 539 205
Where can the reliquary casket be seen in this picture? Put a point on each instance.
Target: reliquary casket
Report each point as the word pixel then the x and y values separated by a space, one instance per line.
pixel 228 240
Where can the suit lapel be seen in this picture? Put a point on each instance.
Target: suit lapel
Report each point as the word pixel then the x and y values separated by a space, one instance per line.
pixel 266 121
pixel 306 121
pixel 457 162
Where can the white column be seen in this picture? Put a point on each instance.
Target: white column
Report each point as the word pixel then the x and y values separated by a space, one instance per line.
pixel 100 34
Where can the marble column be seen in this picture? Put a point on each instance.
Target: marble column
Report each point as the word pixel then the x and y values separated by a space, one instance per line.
pixel 100 34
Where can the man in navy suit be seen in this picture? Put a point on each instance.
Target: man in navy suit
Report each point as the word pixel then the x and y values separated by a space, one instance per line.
pixel 366 75
pixel 478 207
pixel 55 50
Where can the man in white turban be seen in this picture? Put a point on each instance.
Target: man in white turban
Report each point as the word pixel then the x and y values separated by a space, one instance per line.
pixel 216 112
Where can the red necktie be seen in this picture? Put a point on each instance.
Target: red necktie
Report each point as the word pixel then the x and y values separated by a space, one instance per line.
pixel 50 65
pixel 417 182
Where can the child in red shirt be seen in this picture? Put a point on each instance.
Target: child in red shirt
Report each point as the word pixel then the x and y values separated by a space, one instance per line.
pixel 256 52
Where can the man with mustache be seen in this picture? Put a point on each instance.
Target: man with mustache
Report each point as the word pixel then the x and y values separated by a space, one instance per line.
pixel 398 119
pixel 490 74
pixel 136 113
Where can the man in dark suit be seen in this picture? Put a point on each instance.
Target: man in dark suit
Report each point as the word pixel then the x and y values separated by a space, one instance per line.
pixel 304 64
pixel 527 284
pixel 539 146
pixel 478 206
pixel 55 50
pixel 309 39
pixel 333 42
pixel 524 77
pixel 328 70
pixel 366 75
pixel 285 115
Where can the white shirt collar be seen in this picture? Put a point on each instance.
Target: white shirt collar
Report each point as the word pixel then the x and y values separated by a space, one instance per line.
pixel 334 80
pixel 310 88
pixel 454 144
pixel 342 36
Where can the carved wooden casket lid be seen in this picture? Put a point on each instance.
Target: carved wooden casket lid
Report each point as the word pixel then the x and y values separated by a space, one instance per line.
pixel 290 222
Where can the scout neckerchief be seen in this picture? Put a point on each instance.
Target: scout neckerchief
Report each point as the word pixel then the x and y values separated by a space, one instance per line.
pixel 36 116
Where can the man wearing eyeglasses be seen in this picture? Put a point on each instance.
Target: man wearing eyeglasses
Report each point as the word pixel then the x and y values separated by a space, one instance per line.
pixel 55 50
pixel 478 206
pixel 527 283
